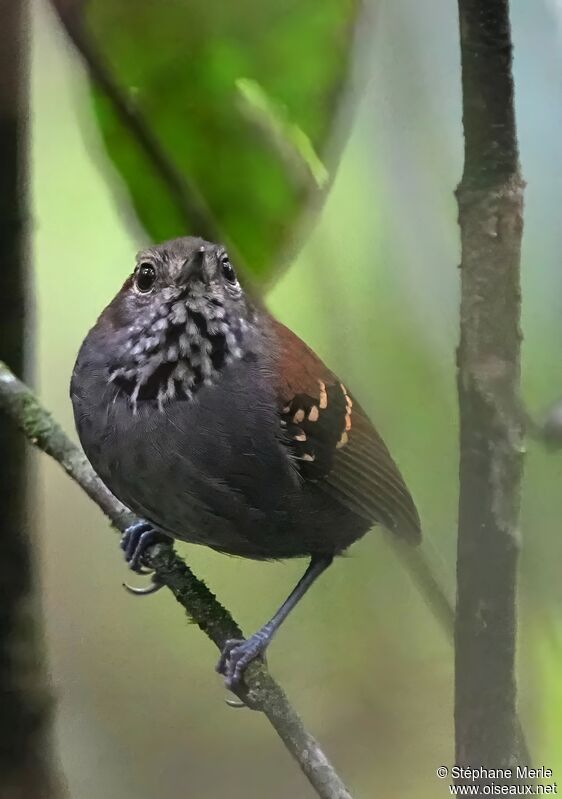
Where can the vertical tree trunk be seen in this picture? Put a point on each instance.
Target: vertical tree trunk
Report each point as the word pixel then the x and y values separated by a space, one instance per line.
pixel 490 199
pixel 25 707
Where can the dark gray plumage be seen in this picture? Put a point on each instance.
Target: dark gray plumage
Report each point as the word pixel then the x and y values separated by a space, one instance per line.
pixel 220 427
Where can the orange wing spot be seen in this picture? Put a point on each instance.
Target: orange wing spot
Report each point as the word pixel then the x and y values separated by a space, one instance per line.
pixel 323 403
pixel 348 406
pixel 343 441
pixel 299 416
pixel 308 457
pixel 300 437
pixel 313 414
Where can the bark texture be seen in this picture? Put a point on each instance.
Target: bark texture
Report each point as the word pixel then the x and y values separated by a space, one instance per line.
pixel 490 199
pixel 25 707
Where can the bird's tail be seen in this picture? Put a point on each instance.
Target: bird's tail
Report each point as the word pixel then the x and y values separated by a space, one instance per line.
pixel 428 571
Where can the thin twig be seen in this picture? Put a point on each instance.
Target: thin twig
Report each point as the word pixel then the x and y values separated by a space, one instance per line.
pixel 261 691
pixel 428 573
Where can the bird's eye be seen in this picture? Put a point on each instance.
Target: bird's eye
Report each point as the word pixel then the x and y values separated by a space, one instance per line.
pixel 228 270
pixel 145 277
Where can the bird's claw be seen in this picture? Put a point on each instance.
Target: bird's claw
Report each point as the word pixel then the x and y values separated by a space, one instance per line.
pixel 237 704
pixel 154 586
pixel 235 657
pixel 135 541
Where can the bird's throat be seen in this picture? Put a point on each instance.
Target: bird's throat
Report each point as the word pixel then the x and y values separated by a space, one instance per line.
pixel 175 349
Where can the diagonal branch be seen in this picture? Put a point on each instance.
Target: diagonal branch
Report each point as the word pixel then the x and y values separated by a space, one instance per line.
pixel 262 692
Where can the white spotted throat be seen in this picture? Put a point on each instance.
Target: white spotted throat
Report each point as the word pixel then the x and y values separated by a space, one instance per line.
pixel 217 425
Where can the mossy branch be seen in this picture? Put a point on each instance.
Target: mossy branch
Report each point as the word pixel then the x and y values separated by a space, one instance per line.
pixel 261 692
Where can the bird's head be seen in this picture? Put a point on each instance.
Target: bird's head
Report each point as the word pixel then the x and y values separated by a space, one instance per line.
pixel 178 319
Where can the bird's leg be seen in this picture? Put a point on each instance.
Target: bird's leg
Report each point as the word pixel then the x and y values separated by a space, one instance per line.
pixel 236 653
pixel 134 542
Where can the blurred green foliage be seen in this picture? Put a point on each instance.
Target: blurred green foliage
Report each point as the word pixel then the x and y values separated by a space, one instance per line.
pixel 375 292
pixel 180 63
pixel 141 711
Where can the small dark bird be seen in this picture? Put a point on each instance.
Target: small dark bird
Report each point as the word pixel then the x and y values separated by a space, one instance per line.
pixel 219 426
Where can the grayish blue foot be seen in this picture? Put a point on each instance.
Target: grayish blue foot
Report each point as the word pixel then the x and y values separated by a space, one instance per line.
pixel 237 654
pixel 135 541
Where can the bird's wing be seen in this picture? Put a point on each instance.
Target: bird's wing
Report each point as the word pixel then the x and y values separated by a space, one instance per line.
pixel 333 442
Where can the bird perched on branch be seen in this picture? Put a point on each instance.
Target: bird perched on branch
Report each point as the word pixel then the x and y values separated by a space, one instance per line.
pixel 217 425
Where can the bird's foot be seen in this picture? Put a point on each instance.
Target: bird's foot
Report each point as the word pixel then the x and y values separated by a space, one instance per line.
pixel 237 654
pixel 135 541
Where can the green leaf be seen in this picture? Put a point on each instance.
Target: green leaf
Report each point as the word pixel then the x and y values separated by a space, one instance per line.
pixel 291 141
pixel 239 99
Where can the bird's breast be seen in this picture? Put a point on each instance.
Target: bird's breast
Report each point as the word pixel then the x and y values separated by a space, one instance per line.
pixel 210 469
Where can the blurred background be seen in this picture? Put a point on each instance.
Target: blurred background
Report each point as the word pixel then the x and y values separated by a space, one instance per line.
pixel 374 290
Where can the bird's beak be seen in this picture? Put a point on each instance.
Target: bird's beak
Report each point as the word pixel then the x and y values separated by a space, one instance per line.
pixel 192 266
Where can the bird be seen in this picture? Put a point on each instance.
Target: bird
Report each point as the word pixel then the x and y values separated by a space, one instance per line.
pixel 217 425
